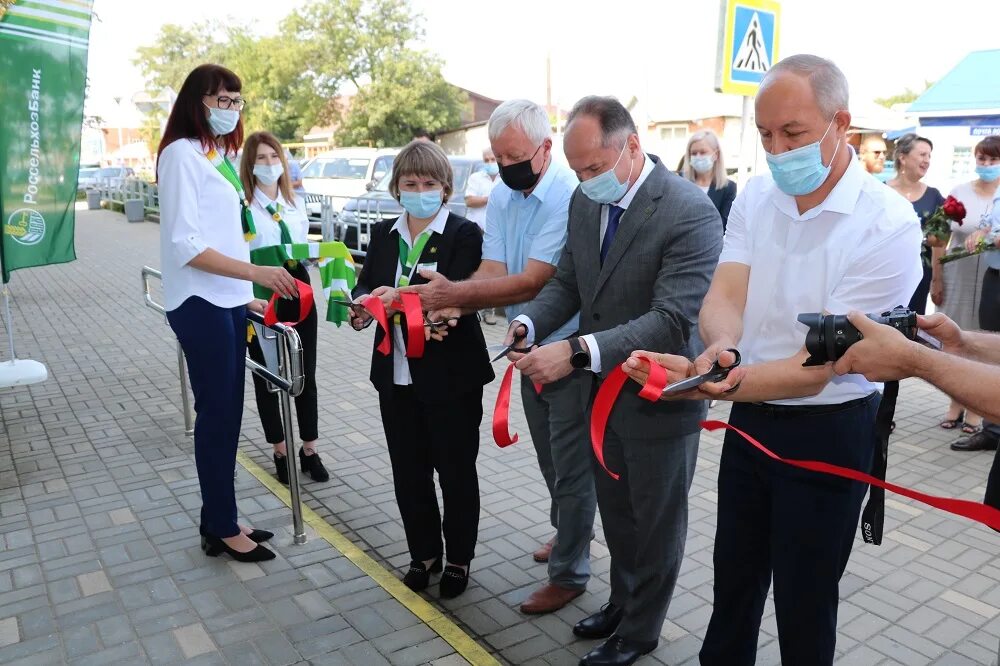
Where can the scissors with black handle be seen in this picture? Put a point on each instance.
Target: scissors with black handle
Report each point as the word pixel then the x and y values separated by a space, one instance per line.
pixel 511 347
pixel 358 309
pixel 715 374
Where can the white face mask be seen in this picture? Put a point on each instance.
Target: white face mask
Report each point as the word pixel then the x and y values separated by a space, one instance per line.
pixel 268 173
pixel 702 163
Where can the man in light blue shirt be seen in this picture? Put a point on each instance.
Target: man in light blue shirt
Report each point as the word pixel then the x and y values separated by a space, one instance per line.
pixel 526 229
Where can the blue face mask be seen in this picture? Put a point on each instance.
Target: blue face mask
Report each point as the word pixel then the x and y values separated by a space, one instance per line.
pixel 222 121
pixel 268 173
pixel 988 174
pixel 421 205
pixel 605 188
pixel 702 163
pixel 801 171
pixel 491 168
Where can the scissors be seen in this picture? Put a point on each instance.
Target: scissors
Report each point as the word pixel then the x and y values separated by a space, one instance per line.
pixel 715 374
pixel 358 308
pixel 509 348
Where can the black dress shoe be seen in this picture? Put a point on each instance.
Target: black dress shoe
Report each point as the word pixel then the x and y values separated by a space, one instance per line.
pixel 214 546
pixel 257 536
pixel 313 466
pixel 617 651
pixel 981 441
pixel 601 624
pixel 454 580
pixel 419 576
pixel 281 468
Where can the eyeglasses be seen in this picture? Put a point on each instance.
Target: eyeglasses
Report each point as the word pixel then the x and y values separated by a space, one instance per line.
pixel 230 102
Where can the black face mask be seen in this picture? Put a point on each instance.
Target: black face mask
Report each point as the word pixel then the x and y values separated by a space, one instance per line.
pixel 519 176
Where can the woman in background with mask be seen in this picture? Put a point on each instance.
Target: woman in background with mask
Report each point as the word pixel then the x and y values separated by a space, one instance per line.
pixel 205 224
pixel 431 406
pixel 703 165
pixel 956 287
pixel 280 218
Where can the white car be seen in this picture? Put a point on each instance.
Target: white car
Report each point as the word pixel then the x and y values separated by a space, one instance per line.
pixel 344 174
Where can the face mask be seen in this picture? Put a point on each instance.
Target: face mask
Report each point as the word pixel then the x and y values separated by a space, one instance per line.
pixel 702 163
pixel 605 188
pixel 491 168
pixel 421 205
pixel 988 174
pixel 268 173
pixel 222 121
pixel 519 176
pixel 800 171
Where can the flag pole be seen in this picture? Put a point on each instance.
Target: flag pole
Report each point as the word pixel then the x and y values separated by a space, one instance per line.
pixel 8 322
pixel 16 372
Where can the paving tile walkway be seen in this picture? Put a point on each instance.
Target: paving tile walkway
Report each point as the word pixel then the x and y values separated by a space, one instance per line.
pixel 99 557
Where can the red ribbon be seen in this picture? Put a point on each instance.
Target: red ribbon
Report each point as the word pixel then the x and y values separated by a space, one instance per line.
pixel 657 380
pixel 501 411
pixel 413 313
pixel 305 305
pixel 606 397
pixel 977 511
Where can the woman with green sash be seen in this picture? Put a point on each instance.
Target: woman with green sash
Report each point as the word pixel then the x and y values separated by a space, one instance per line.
pixel 205 224
pixel 280 218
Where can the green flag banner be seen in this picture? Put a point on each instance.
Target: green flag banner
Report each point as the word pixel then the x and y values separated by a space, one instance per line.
pixel 43 73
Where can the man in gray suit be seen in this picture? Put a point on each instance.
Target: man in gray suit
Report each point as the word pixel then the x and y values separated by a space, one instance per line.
pixel 642 246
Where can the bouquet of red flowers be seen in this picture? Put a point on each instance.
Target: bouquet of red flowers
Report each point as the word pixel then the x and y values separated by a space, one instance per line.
pixel 938 224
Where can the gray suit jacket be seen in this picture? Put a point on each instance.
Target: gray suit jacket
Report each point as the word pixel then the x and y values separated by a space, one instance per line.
pixel 646 295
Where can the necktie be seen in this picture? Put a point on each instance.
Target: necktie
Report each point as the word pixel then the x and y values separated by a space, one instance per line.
pixel 614 217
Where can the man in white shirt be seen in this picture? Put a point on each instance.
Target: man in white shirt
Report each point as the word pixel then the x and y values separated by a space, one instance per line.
pixel 477 195
pixel 816 235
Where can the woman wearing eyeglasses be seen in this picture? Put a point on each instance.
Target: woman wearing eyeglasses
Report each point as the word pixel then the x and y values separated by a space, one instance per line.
pixel 205 225
pixel 280 218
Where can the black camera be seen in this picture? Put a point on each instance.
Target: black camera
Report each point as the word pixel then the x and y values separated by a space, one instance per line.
pixel 829 336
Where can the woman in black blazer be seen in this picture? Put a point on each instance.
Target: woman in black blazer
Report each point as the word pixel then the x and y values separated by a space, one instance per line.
pixel 431 406
pixel 703 165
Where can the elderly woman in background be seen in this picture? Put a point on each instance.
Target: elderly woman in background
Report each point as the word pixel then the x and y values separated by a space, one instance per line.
pixel 431 406
pixel 912 159
pixel 956 287
pixel 704 166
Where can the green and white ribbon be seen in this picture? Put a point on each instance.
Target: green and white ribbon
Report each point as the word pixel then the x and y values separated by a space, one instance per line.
pixel 337 271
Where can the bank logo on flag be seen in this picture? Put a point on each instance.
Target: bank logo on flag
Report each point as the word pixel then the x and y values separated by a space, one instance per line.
pixel 26 226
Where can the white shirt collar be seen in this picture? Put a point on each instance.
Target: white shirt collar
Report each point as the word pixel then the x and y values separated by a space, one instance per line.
pixel 843 198
pixel 437 224
pixel 264 200
pixel 647 168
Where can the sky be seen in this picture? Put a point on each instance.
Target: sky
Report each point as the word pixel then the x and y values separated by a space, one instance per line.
pixel 663 52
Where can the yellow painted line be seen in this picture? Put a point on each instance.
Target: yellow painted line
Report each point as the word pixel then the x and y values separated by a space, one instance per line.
pixel 464 644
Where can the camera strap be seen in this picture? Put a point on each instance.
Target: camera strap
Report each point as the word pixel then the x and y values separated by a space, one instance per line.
pixel 873 517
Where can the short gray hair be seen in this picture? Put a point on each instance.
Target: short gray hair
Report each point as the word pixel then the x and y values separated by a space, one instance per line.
pixel 523 114
pixel 615 120
pixel 829 85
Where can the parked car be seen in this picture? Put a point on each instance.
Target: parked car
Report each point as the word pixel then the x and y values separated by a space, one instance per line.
pixel 345 173
pixel 361 212
pixel 103 177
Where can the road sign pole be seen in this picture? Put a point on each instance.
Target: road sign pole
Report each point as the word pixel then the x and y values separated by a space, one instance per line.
pixel 744 124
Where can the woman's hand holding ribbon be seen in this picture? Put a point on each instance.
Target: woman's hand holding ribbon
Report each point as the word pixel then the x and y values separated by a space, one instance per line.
pixel 389 297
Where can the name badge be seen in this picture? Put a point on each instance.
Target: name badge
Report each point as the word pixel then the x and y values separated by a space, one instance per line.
pixel 429 266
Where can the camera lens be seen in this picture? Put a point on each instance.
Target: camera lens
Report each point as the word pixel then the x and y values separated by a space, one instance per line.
pixel 827 337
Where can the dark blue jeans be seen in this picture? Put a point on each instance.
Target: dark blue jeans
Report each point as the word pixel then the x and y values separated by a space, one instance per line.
pixel 214 341
pixel 793 524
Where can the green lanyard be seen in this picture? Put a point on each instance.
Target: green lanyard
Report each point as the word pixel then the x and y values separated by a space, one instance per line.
pixel 224 167
pixel 275 211
pixel 406 268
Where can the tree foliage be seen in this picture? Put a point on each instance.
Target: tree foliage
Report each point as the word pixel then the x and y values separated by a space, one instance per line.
pixel 904 97
pixel 323 50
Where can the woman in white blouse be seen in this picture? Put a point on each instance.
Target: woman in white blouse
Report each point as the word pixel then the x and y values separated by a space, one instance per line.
pixel 205 261
pixel 280 218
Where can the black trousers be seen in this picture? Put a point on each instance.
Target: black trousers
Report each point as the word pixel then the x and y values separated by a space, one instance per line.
pixel 427 437
pixel 306 409
pixel 989 320
pixel 795 525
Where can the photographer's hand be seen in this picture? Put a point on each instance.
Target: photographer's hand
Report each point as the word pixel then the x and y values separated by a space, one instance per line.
pixel 945 330
pixel 883 354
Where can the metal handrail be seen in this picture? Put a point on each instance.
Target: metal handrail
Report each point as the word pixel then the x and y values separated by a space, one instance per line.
pixel 288 387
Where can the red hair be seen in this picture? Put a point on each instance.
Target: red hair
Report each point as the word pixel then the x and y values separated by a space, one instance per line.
pixel 188 118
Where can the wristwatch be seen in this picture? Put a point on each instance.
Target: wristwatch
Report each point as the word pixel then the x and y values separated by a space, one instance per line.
pixel 578 358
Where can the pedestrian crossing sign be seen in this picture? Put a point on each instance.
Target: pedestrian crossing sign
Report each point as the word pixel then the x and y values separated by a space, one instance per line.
pixel 748 44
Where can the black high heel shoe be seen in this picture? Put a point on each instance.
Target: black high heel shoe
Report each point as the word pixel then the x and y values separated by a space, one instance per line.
pixel 257 536
pixel 419 576
pixel 214 546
